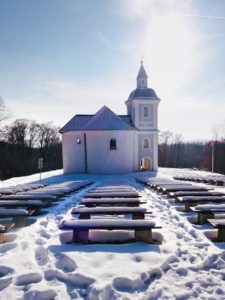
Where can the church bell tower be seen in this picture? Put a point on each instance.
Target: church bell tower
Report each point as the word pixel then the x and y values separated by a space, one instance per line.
pixel 142 107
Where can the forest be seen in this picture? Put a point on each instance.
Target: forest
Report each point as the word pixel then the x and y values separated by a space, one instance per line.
pixel 23 142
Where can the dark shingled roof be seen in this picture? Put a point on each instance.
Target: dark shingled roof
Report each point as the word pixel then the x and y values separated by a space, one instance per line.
pixel 104 119
pixel 143 93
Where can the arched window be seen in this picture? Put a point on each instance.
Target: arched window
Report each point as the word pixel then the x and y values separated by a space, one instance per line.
pixel 145 111
pixel 113 144
pixel 146 143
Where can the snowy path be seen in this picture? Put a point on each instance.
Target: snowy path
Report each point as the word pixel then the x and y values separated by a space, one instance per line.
pixel 34 264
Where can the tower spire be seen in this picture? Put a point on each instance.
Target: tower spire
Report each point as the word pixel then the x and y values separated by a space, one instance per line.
pixel 142 77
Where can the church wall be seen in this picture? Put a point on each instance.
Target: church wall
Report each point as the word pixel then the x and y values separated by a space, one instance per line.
pixel 73 152
pixel 100 159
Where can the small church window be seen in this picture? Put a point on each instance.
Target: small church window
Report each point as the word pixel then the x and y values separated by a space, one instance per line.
pixel 113 144
pixel 145 111
pixel 78 141
pixel 146 143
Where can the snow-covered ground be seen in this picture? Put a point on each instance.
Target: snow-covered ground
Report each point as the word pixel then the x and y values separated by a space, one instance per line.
pixel 36 264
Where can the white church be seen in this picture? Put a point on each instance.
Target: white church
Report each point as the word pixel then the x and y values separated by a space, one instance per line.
pixel 108 143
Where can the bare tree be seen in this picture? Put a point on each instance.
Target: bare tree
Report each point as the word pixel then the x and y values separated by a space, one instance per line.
pixel 3 111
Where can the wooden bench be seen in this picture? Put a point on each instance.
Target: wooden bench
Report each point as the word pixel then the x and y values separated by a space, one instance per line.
pixel 85 213
pixel 19 215
pixel 169 189
pixel 35 205
pixel 194 200
pixel 208 211
pixel 29 196
pixel 220 225
pixel 142 228
pixel 193 193
pixel 89 202
pixel 4 229
pixel 113 194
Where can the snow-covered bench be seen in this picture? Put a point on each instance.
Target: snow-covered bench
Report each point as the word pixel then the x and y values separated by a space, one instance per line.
pixel 194 200
pixel 209 211
pixel 29 196
pixel 4 229
pixel 111 201
pixel 194 193
pixel 87 212
pixel 19 215
pixel 220 225
pixel 35 205
pixel 112 194
pixel 142 228
pixel 176 188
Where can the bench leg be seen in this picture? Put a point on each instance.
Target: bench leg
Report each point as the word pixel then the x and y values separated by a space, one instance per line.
pixel 221 233
pixel 20 221
pixel 143 235
pixel 203 216
pixel 188 205
pixel 138 216
pixel 2 238
pixel 80 236
pixel 37 211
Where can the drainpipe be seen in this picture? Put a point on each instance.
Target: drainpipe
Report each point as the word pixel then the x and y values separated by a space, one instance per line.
pixel 85 153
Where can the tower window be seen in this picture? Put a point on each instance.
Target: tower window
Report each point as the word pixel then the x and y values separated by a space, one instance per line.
pixel 146 143
pixel 145 111
pixel 113 144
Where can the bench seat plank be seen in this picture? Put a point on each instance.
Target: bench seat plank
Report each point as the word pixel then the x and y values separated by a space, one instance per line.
pixel 28 196
pixel 86 212
pixel 194 200
pixel 110 201
pixel 112 194
pixel 193 193
pixel 166 190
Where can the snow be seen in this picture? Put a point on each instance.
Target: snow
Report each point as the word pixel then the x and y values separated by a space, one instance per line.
pixel 36 264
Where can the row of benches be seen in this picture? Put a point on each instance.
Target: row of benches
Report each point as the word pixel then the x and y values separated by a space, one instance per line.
pixel 26 202
pixel 102 204
pixel 207 203
pixel 212 180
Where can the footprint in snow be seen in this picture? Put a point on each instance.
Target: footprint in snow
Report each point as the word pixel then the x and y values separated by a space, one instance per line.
pixel 77 279
pixel 6 247
pixel 65 263
pixel 153 274
pixel 4 270
pixel 28 279
pixel 4 283
pixel 41 256
pixel 40 295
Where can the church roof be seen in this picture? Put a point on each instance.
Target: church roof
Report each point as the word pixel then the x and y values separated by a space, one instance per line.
pixel 143 93
pixel 104 119
pixel 142 72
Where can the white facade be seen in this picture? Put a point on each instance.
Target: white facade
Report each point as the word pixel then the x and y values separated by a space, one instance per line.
pixel 106 143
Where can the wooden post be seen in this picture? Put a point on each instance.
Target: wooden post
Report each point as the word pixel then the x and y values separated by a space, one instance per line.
pixel 80 236
pixel 2 237
pixel 213 154
pixel 143 235
pixel 221 233
pixel 85 153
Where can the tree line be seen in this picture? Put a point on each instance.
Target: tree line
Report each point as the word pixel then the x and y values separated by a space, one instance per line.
pixel 23 142
pixel 175 153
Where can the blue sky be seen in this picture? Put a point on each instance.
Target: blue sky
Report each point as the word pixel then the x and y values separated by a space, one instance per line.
pixel 59 58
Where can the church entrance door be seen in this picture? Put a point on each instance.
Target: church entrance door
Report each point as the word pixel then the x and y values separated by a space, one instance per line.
pixel 145 164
